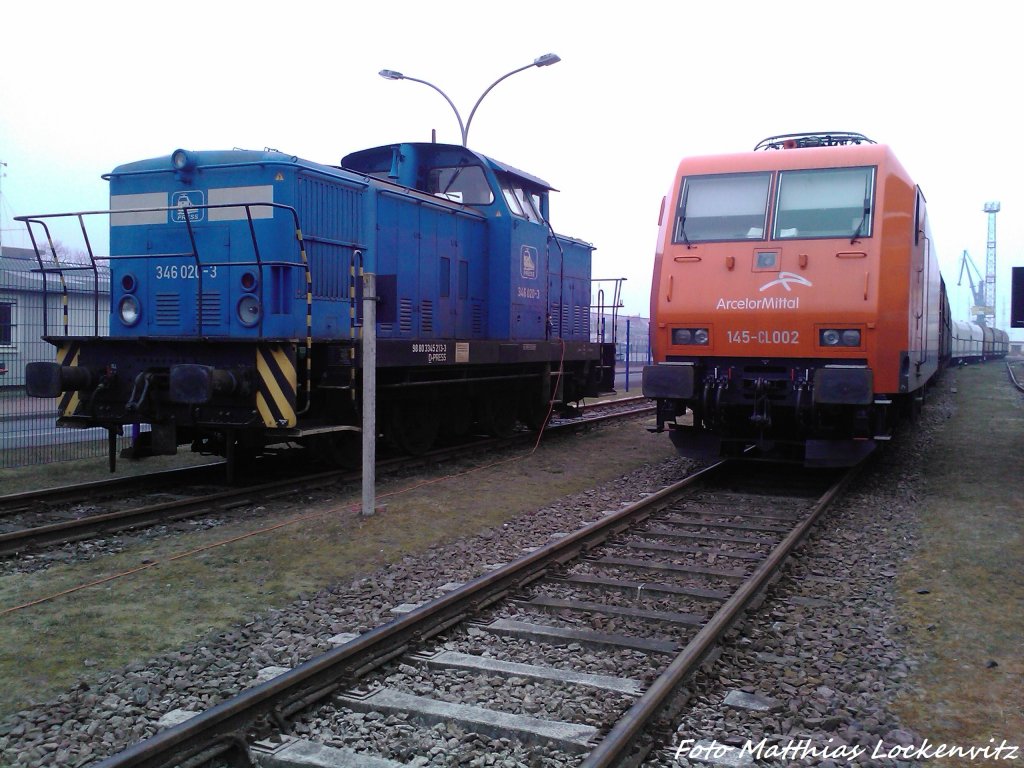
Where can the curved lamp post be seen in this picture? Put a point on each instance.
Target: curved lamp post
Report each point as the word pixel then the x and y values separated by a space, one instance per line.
pixel 541 61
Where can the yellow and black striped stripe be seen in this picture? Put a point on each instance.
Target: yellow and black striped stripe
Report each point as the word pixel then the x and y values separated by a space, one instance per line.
pixel 309 319
pixel 355 272
pixel 63 287
pixel 275 395
pixel 68 354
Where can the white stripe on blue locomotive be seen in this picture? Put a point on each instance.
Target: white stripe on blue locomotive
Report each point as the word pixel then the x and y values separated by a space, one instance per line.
pixel 263 193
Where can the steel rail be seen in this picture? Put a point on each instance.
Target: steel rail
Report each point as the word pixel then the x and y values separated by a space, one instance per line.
pixel 13 503
pixel 222 501
pixel 321 676
pixel 19 500
pixel 1013 378
pixel 616 746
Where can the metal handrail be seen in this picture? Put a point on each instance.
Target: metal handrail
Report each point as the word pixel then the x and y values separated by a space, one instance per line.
pixel 259 262
pixel 615 305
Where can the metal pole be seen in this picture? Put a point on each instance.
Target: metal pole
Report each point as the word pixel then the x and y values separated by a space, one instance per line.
pixel 465 131
pixel 369 393
pixel 627 354
pixel 2 174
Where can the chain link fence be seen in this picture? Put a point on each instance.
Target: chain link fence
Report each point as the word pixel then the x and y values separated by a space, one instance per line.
pixel 32 306
pixel 28 431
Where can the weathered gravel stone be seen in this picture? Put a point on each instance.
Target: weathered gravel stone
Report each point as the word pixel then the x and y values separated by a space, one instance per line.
pixel 825 645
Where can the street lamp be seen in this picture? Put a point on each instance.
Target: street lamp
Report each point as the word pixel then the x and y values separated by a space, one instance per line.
pixel 541 61
pixel 2 174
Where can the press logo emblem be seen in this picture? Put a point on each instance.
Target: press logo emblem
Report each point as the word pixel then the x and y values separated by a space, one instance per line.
pixel 183 205
pixel 528 263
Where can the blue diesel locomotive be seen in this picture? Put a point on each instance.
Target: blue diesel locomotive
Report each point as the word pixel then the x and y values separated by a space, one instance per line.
pixel 235 302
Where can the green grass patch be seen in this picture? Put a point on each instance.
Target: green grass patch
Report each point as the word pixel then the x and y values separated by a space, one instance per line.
pixel 963 590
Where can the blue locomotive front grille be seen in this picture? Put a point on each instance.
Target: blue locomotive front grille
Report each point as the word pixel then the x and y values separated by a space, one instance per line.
pixel 168 309
pixel 210 309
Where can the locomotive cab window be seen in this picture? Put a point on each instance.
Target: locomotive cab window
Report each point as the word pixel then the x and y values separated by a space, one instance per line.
pixel 522 200
pixel 835 202
pixel 722 207
pixel 466 184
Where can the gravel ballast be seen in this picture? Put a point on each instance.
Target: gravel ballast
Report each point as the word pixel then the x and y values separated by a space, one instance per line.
pixel 827 648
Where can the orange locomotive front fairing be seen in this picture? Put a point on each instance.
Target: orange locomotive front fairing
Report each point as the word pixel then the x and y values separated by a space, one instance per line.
pixel 795 299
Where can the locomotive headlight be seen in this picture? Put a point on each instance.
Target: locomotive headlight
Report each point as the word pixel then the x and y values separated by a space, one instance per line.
pixel 249 311
pixel 682 336
pixel 690 336
pixel 129 283
pixel 129 310
pixel 182 160
pixel 249 281
pixel 839 337
pixel 830 338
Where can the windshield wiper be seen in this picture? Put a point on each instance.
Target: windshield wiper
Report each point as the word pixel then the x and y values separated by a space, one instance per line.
pixel 867 210
pixel 860 225
pixel 458 172
pixel 682 219
pixel 682 232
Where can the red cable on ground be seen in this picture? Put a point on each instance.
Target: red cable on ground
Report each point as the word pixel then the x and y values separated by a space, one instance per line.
pixel 301 518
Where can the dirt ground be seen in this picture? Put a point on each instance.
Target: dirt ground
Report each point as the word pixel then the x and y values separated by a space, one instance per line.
pixel 963 589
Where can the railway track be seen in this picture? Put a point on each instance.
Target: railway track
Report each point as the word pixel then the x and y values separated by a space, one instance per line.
pixel 36 519
pixel 13 504
pixel 1017 382
pixel 582 645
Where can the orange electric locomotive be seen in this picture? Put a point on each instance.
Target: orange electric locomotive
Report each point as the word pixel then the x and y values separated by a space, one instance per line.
pixel 796 303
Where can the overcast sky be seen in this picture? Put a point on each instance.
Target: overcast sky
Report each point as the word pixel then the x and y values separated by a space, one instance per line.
pixel 85 87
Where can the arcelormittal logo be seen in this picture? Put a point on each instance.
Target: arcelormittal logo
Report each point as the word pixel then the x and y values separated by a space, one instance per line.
pixel 784 279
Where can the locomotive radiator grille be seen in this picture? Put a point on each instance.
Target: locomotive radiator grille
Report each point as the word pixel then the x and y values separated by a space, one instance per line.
pixel 582 321
pixel 477 320
pixel 210 309
pixel 405 316
pixel 427 316
pixel 168 309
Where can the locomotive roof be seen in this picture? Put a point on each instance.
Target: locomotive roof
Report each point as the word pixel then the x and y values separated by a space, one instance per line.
pixel 367 158
pixel 785 159
pixel 361 162
pixel 216 157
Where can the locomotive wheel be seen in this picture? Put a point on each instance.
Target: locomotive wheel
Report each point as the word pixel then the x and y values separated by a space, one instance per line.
pixel 458 418
pixel 535 415
pixel 414 426
pixel 497 417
